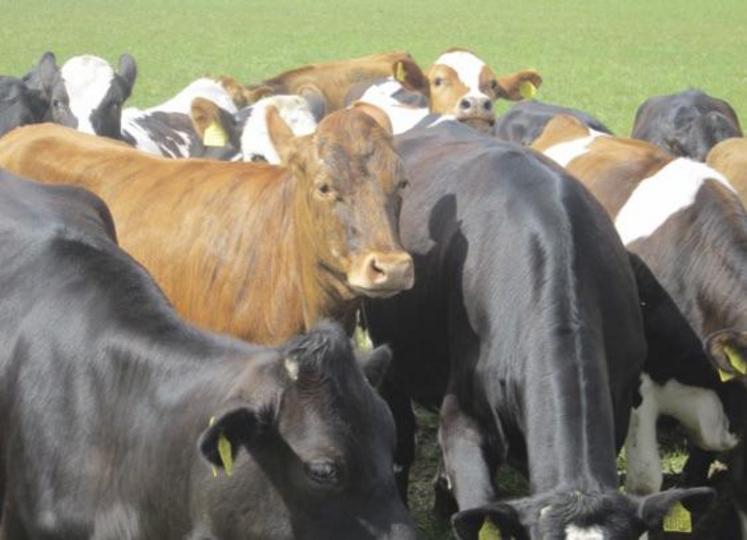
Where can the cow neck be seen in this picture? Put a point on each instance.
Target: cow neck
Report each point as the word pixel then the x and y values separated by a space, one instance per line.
pixel 321 285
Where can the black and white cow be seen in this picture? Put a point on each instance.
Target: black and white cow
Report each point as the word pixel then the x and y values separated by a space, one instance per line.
pixel 524 328
pixel 525 120
pixel 19 105
pixel 686 124
pixel 85 93
pixel 112 409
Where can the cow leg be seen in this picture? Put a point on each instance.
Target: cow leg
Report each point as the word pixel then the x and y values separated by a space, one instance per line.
pixel 695 472
pixel 468 472
pixel 643 464
pixel 444 504
pixel 404 420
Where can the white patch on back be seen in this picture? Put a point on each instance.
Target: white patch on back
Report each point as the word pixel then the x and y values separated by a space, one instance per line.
pixel 660 196
pixel 468 68
pixel 403 117
pixel 698 409
pixel 573 532
pixel 204 88
pixel 87 80
pixel 255 139
pixel 566 152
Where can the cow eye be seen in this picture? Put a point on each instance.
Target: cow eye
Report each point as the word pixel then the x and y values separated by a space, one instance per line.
pixel 403 184
pixel 323 472
pixel 325 190
pixel 58 104
pixel 438 81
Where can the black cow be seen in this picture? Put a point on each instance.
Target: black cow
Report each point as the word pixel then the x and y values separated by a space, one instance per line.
pixel 19 105
pixel 687 124
pixel 86 93
pixel 524 328
pixel 112 408
pixel 524 122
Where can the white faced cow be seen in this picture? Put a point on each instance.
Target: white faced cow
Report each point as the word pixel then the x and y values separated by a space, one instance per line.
pixel 86 93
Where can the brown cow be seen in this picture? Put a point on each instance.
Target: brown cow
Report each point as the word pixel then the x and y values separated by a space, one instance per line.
pixel 729 157
pixel 255 250
pixel 325 85
pixel 687 225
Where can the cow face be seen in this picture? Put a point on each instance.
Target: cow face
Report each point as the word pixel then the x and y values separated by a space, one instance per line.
pixel 18 105
pixel 575 516
pixel 463 85
pixel 696 138
pixel 86 93
pixel 350 184
pixel 321 449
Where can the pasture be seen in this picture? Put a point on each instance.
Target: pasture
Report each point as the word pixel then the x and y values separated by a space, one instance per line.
pixel 599 56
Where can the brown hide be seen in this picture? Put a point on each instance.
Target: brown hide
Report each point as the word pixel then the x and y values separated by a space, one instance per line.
pixel 729 157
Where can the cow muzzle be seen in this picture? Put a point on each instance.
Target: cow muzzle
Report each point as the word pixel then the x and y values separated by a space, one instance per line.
pixel 381 274
pixel 476 112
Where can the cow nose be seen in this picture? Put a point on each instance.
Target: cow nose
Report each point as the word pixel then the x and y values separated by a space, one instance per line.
pixel 475 105
pixel 465 104
pixel 382 273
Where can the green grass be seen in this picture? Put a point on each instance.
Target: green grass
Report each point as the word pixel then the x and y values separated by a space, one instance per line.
pixel 601 56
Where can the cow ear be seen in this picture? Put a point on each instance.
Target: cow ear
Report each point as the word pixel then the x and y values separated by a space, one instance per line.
pixel 281 135
pixel 227 432
pixel 127 71
pixel 376 113
pixel 47 70
pixel 253 93
pixel 207 121
pixel 375 363
pixel 316 100
pixel 727 350
pixel 411 77
pixel 654 508
pixel 519 85
pixel 498 521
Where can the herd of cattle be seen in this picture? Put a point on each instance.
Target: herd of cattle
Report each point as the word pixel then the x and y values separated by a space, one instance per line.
pixel 549 288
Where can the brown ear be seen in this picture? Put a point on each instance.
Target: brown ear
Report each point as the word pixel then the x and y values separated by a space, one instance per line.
pixel 316 100
pixel 411 77
pixel 376 113
pixel 255 92
pixel 727 350
pixel 562 128
pixel 510 85
pixel 239 93
pixel 206 119
pixel 280 133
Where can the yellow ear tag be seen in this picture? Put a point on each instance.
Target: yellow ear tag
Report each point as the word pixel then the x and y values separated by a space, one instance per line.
pixel 527 90
pixel 224 449
pixel 400 74
pixel 678 519
pixel 736 360
pixel 214 135
pixel 489 531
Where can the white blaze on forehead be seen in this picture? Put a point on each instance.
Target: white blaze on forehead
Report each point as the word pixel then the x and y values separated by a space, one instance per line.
pixel 402 116
pixel 467 66
pixel 87 80
pixel 572 532
pixel 255 138
pixel 660 196
pixel 566 152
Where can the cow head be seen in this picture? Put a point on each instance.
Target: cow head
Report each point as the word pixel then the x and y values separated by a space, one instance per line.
pixel 320 447
pixel 573 516
pixel 349 186
pixel 86 93
pixel 695 138
pixel 463 85
pixel 19 105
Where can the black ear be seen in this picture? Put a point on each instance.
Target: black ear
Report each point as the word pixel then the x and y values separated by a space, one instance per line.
pixel 375 363
pixel 47 71
pixel 315 99
pixel 484 521
pixel 128 72
pixel 653 508
pixel 239 426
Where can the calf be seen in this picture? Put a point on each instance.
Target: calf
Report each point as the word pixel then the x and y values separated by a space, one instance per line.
pixel 687 124
pixel 86 93
pixel 524 121
pixel 459 84
pixel 112 408
pixel 304 241
pixel 19 105
pixel 686 224
pixel 524 328
pixel 729 157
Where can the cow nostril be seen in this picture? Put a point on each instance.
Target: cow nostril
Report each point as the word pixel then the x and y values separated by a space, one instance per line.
pixel 487 105
pixel 376 270
pixel 465 104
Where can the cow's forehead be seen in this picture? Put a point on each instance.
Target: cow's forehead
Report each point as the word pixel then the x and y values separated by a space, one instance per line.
pixel 466 65
pixel 88 76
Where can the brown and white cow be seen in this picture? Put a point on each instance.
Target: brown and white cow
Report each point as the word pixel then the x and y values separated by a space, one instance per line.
pixel 460 85
pixel 685 222
pixel 251 249
pixel 325 85
pixel 729 157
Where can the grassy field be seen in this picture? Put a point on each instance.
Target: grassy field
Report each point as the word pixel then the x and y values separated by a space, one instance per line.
pixel 601 56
